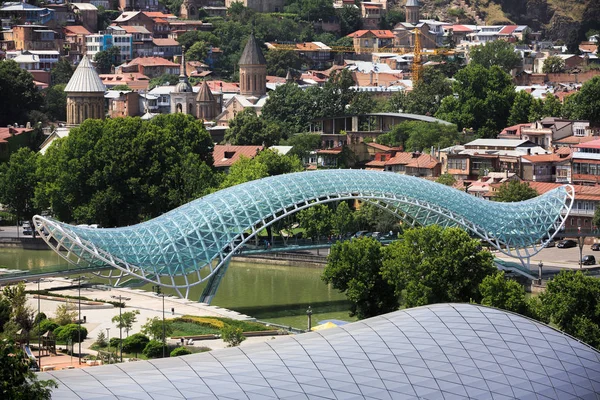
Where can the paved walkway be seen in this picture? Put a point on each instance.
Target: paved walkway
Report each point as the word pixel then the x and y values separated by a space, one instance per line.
pixel 98 318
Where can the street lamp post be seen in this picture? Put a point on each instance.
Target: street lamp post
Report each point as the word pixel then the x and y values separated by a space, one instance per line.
pixel 540 266
pixel 79 320
pixel 108 340
pixel 309 313
pixel 120 328
pixel 158 293
pixel 39 333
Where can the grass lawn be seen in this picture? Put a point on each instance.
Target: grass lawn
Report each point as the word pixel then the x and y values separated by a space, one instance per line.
pixel 184 328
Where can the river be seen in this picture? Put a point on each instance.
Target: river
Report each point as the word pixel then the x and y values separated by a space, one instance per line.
pixel 272 293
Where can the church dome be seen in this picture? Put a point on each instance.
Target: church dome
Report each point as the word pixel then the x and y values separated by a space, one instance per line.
pixel 85 79
pixel 183 87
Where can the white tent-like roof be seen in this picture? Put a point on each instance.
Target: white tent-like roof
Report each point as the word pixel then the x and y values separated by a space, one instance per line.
pixel 85 79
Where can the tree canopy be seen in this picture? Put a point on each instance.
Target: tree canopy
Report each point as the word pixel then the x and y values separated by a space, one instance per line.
pixel 24 96
pixel 62 71
pixel 18 179
pixel 501 292
pixel 436 265
pixel 247 128
pixel 483 100
pixel 495 53
pixel 421 136
pixel 280 61
pixel 553 64
pixel 515 191
pixel 17 381
pixel 572 301
pixel 106 59
pixel 290 107
pixel 122 171
pixel 354 268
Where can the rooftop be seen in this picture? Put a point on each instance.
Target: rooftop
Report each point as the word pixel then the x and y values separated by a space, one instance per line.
pixel 252 54
pixel 8 132
pixel 85 79
pixel 226 155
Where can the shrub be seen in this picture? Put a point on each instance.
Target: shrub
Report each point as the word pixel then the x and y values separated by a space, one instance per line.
pixel 47 325
pixel 154 349
pixel 114 342
pixel 232 336
pixel 39 318
pixel 70 331
pixel 180 351
pixel 136 343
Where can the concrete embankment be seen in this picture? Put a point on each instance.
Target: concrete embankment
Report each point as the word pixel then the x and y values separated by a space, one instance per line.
pixel 26 243
pixel 289 259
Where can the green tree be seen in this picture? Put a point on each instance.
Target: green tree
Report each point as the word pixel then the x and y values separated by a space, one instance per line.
pixel 187 39
pixel 165 79
pixel 512 191
pixel 552 106
pixel 62 71
pixel 501 292
pixel 495 53
pixel 18 179
pixel 343 219
pixel 362 103
pixel 172 6
pixel 154 349
pixel 572 301
pixel 418 135
pixel 65 313
pixel 553 65
pixel 586 103
pixel 48 325
pixel 316 220
pixel 303 143
pixel 335 95
pixel 354 268
pixel 280 61
pixel 427 95
pixel 232 335
pixel 136 343
pixel 70 332
pixel 17 381
pixel 106 59
pixel 124 170
pixel 596 218
pixel 247 128
pixel 20 312
pixel 483 99
pixel 122 87
pixel 55 102
pixel 290 107
pixel 197 52
pixel 180 351
pixel 446 179
pixel 350 19
pixel 520 111
pixel 154 328
pixel 126 320
pixel 436 265
pixel 24 96
pixel 101 339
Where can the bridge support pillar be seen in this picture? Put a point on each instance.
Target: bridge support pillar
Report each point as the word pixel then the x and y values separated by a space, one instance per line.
pixel 213 284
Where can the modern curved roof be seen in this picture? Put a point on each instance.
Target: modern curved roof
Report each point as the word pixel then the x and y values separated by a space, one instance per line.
pixel 200 236
pixel 441 351
pixel 85 79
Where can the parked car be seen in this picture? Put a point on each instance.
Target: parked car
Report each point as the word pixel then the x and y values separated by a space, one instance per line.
pixel 360 234
pixel 588 260
pixel 551 243
pixel 596 247
pixel 27 231
pixel 567 243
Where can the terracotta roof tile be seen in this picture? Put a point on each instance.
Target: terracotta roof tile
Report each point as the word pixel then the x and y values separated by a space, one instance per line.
pixel 165 42
pixel 152 61
pixel 401 158
pixel 423 161
pixel 575 140
pixel 6 133
pixel 77 29
pixel 383 147
pixel 225 155
pixel 507 30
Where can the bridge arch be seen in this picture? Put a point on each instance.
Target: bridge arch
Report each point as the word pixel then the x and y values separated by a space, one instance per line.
pixel 197 240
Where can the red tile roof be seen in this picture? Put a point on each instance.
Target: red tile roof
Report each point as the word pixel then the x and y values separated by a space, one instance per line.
pixel 165 42
pixel 582 192
pixel 225 155
pixel 77 30
pixel 152 61
pixel 516 128
pixel 222 86
pixel 158 14
pixel 569 140
pixel 507 30
pixel 381 34
pixel 6 133
pixel 461 28
pixel 545 158
pixel 383 147
pixel 592 144
pixel 415 160
pixel 401 158
pixel 336 150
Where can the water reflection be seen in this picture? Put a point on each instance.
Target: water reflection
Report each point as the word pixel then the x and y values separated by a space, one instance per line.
pixel 278 294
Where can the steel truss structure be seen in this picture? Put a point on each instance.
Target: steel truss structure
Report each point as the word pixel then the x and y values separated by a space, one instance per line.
pixel 194 243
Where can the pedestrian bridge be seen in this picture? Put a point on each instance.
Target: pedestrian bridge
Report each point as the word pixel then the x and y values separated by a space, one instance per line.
pixel 194 243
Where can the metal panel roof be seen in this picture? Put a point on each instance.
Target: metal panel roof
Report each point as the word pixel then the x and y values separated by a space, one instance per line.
pixel 440 351
pixel 85 79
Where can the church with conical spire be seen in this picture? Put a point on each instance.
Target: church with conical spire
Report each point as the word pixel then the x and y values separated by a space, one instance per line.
pixel 253 83
pixel 85 94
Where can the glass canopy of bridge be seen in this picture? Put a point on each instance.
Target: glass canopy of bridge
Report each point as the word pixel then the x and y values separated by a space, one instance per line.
pixel 197 240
